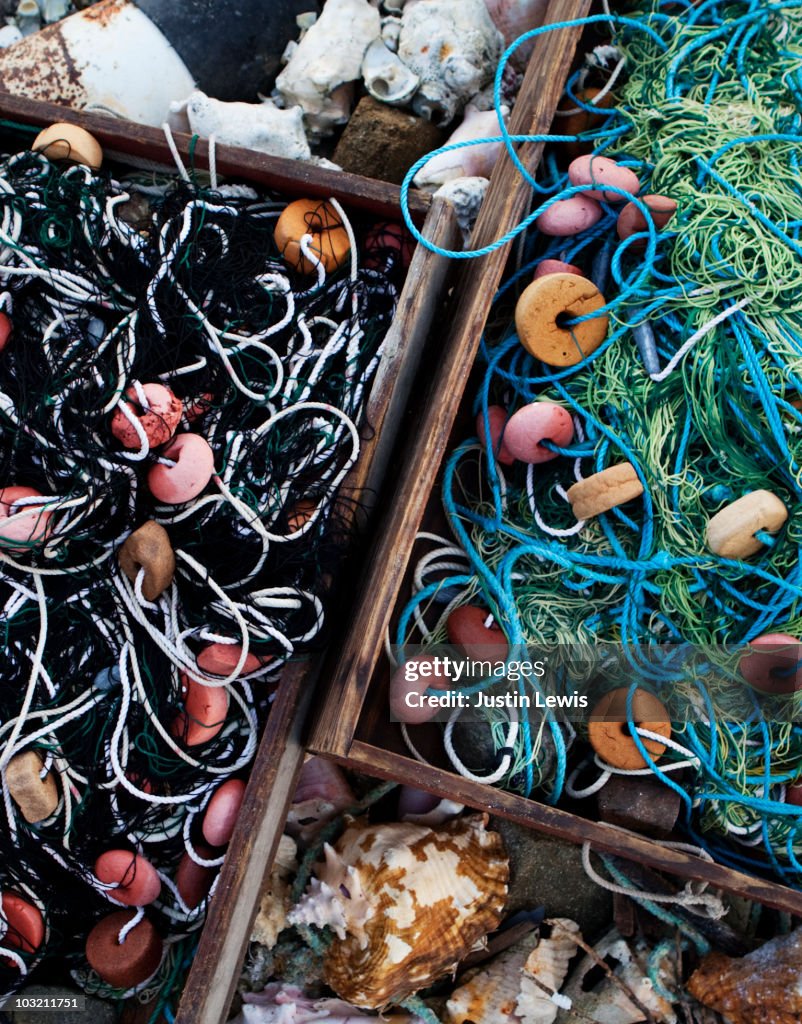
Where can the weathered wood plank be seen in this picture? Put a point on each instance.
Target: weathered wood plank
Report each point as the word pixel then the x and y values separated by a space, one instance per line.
pixel 504 206
pixel 561 824
pixel 127 140
pixel 215 971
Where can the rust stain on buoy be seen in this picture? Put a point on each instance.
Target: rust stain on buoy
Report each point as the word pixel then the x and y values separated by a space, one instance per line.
pixel 104 12
pixel 41 67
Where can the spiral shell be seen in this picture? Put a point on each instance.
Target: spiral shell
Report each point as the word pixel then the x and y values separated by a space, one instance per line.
pixel 509 990
pixel 406 902
pixel 765 985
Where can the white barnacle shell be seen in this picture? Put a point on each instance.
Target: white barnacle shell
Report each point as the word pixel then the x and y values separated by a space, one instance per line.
pixel 322 68
pixel 386 77
pixel 453 47
pixel 507 991
pixel 407 903
pixel 606 1002
pixel 262 127
pixel 466 195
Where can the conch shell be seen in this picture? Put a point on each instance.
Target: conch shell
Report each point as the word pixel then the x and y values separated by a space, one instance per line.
pixel 406 903
pixel 607 1002
pixel 453 47
pixel 471 161
pixel 507 992
pixel 323 65
pixel 765 985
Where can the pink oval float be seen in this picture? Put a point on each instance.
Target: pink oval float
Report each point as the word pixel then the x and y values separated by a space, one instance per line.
pixel 222 812
pixel 5 330
pixel 204 714
pixel 546 267
pixel 193 469
pixel 599 170
pixel 569 216
pixel 20 529
pixel 771 666
pixel 26 927
pixel 221 660
pixel 192 880
pixel 135 880
pixel 535 423
pixel 467 630
pixel 400 687
pixel 159 420
pixel 497 420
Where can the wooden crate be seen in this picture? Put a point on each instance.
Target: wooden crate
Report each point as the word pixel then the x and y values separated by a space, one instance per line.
pixel 212 979
pixel 353 725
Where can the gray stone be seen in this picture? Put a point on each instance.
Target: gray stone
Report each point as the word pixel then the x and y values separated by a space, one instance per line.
pixel 98 1011
pixel 548 872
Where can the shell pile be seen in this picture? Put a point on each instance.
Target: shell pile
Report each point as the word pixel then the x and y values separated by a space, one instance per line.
pixel 515 988
pixel 764 986
pixel 406 903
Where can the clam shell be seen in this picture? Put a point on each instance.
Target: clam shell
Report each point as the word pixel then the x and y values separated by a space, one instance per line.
pixel 407 903
pixel 507 992
pixel 272 916
pixel 489 995
pixel 606 1002
pixel 546 966
pixel 764 986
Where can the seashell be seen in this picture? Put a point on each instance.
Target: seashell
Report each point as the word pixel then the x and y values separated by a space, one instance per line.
pixel 28 17
pixel 466 196
pixel 386 77
pixel 513 18
pixel 547 965
pixel 507 992
pixel 272 915
pixel 262 127
pixel 54 10
pixel 606 1002
pixel 453 47
pixel 324 64
pixel 406 903
pixel 321 794
pixel 490 995
pixel 763 985
pixel 288 1004
pixel 391 30
pixel 470 162
pixel 425 809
